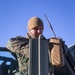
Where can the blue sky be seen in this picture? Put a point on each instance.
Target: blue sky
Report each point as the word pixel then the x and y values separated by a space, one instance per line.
pixel 14 15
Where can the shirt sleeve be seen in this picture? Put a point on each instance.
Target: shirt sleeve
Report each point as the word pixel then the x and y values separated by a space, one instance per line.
pixel 13 45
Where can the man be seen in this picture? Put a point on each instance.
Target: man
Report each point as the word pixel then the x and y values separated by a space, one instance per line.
pixel 20 45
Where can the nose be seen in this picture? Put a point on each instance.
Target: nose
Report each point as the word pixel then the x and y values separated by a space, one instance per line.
pixel 39 31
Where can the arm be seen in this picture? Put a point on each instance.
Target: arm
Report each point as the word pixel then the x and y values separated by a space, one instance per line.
pixel 16 44
pixel 12 45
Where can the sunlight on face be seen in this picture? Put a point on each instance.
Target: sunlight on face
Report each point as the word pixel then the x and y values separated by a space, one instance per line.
pixel 37 31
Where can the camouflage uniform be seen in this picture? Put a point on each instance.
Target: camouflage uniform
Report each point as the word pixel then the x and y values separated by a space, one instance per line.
pixel 20 46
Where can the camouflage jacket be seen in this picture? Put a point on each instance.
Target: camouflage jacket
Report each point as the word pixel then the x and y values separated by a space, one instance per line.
pixel 20 46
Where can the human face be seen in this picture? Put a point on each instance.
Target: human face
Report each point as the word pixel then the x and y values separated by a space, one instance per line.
pixel 37 31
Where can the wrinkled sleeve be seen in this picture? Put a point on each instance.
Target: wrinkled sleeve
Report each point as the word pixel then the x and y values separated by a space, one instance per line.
pixel 13 45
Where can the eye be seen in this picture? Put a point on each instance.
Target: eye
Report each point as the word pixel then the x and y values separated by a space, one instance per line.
pixel 40 28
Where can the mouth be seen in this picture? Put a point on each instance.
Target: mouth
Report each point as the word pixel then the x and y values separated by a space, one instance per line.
pixel 37 35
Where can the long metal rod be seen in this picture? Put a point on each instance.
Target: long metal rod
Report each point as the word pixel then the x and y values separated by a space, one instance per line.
pixel 4 49
pixel 50 25
pixel 42 56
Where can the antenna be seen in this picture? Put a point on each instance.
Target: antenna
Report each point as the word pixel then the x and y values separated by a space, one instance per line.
pixel 50 26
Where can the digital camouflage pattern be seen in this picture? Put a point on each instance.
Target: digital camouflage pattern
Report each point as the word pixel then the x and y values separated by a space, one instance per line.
pixel 20 46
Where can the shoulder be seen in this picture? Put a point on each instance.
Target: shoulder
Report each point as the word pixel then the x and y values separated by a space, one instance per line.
pixel 16 42
pixel 18 38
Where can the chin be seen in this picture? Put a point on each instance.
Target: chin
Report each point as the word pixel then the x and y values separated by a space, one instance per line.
pixel 36 36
